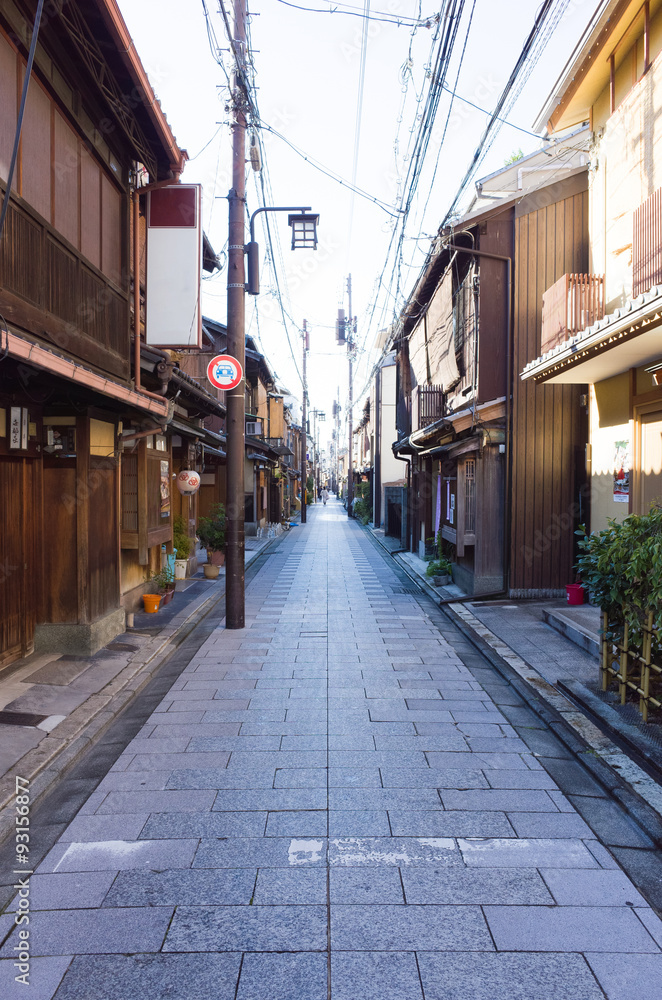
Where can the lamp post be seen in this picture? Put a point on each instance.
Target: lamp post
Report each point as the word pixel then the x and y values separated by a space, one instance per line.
pixel 304 236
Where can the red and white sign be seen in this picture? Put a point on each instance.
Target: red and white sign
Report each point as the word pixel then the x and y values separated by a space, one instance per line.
pixel 188 482
pixel 174 260
pixel 224 372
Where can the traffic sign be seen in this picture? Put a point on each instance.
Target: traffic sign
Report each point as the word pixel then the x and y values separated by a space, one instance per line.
pixel 224 372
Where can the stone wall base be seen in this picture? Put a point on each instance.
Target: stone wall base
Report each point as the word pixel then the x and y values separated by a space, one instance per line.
pixel 80 639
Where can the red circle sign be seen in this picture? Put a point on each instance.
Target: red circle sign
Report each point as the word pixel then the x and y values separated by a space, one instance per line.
pixel 224 372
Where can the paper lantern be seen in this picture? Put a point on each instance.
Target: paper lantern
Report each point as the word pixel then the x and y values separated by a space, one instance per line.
pixel 188 482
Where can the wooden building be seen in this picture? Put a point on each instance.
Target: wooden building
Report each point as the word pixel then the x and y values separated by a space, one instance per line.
pixel 604 326
pixel 87 441
pixel 492 468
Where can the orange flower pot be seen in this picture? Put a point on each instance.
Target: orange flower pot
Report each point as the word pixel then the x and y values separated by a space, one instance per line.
pixel 151 602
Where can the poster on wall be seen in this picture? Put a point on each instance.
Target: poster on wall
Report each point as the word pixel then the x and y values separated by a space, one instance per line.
pixel 165 489
pixel 621 471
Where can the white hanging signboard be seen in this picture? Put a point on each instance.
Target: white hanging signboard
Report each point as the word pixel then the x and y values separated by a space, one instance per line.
pixel 174 261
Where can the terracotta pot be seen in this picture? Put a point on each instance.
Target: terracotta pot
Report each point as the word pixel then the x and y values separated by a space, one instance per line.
pixel 216 558
pixel 167 597
pixel 211 571
pixel 151 602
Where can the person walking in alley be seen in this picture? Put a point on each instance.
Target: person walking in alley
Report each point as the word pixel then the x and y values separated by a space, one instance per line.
pixel 325 495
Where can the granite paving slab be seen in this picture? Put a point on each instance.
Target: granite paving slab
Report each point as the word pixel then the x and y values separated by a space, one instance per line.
pixel 342 800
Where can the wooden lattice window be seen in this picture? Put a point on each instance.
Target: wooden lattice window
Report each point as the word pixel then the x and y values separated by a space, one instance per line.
pixel 470 496
pixel 129 493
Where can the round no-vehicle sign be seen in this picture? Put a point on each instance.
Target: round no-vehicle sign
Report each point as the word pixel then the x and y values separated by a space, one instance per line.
pixel 224 372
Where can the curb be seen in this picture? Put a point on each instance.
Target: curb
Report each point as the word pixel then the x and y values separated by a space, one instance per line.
pixel 614 770
pixel 62 747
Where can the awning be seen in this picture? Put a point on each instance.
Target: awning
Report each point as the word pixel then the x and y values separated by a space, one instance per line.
pixel 627 338
pixel 56 364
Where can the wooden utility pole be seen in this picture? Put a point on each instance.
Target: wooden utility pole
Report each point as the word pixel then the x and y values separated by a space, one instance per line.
pixel 235 399
pixel 304 435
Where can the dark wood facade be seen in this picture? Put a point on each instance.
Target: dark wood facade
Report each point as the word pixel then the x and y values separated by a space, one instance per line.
pixel 65 278
pixel 550 423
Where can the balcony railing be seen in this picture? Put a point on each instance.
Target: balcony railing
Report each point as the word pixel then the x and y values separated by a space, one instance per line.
pixel 574 302
pixel 428 406
pixel 647 245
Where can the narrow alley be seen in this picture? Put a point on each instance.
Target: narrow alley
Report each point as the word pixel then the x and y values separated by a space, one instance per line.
pixel 341 800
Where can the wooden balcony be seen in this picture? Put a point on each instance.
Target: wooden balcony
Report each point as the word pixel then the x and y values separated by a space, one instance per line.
pixel 574 302
pixel 51 290
pixel 428 405
pixel 647 245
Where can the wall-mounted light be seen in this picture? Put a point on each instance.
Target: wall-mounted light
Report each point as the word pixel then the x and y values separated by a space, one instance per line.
pixel 656 371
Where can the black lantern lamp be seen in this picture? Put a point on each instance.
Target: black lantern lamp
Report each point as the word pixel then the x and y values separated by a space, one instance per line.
pixel 304 231
pixel 304 237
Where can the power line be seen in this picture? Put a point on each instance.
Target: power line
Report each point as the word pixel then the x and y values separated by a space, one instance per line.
pixel 385 18
pixel 330 173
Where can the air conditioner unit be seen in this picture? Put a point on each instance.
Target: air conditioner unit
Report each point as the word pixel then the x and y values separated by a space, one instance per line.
pixel 254 428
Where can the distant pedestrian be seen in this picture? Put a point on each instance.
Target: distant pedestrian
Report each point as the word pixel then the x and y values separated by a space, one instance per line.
pixel 325 495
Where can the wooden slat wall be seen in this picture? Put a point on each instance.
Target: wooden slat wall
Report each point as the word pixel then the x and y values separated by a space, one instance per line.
pixel 549 424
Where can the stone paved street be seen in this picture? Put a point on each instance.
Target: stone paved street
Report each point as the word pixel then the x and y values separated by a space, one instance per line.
pixel 341 800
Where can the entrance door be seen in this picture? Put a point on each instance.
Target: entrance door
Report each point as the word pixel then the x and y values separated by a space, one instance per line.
pixel 18 601
pixel 650 480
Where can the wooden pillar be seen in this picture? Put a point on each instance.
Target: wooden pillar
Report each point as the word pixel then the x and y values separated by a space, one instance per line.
pixel 82 515
pixel 143 550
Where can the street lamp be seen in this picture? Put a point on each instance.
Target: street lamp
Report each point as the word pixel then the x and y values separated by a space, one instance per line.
pixel 304 231
pixel 304 237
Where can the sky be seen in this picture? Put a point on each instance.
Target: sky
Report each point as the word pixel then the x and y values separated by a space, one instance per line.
pixel 350 100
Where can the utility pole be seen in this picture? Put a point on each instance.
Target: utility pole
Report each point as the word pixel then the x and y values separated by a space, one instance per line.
pixel 235 399
pixel 350 347
pixel 338 443
pixel 304 436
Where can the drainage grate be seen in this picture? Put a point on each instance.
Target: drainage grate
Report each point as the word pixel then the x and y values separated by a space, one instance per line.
pixel 405 590
pixel 21 719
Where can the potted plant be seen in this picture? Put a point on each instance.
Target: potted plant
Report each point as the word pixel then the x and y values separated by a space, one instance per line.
pixel 152 597
pixel 211 532
pixel 164 581
pixel 182 545
pixel 440 571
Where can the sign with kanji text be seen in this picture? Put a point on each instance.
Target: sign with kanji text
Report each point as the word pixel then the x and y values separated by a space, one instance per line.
pixel 224 372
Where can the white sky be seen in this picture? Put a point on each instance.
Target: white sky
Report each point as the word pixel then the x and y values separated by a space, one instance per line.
pixel 308 73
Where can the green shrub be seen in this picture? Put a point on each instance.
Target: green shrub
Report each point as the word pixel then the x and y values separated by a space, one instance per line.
pixel 362 508
pixel 621 566
pixel 211 530
pixel 180 539
pixel 439 567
